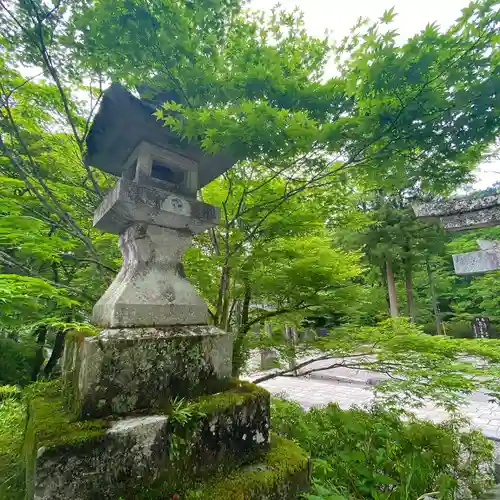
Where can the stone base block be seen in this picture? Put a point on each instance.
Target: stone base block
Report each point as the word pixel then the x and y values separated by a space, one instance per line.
pixel 282 475
pixel 142 456
pixel 126 370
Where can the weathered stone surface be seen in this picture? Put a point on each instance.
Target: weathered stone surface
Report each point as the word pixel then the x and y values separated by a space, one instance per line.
pixel 150 289
pixel 282 475
pixel 487 217
pixel 105 467
pixel 476 262
pixel 224 431
pixel 129 202
pixel 163 168
pixel 123 370
pixel 461 214
pixel 439 208
pixel 146 456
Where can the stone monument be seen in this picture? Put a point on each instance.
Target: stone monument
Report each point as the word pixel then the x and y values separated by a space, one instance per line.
pixel 148 408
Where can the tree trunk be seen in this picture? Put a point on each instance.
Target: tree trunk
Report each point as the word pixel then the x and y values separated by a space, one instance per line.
pixel 247 297
pixel 391 289
pixel 56 354
pixel 239 356
pixel 41 337
pixel 222 296
pixel 291 339
pixel 224 315
pixel 435 306
pixel 409 292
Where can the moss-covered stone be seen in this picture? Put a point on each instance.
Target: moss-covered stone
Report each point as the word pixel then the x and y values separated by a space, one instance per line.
pixel 125 370
pixel 159 454
pixel 216 433
pixel 52 425
pixel 282 475
pixel 51 429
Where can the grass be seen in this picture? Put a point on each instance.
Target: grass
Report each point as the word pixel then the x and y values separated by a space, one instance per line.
pixel 12 425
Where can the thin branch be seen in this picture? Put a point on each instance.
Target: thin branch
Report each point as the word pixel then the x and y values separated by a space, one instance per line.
pixel 21 85
pixel 288 370
pixel 277 312
pixel 98 263
pixel 39 42
pixel 10 261
pixel 64 216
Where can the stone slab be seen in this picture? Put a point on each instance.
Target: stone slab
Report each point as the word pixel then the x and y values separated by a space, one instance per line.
pixel 151 456
pixel 487 217
pixel 476 262
pixel 128 203
pixel 105 467
pixel 124 370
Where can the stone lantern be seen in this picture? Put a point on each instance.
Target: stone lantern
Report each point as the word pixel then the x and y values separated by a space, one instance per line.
pixel 150 313
pixel 154 210
pixel 111 431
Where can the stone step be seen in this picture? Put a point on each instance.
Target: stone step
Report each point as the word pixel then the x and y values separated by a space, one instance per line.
pixel 109 459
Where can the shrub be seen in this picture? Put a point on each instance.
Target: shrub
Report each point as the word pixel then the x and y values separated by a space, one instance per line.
pixel 459 329
pixel 16 361
pixel 379 454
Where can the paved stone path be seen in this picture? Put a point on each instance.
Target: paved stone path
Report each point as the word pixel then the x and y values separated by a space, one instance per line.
pixel 311 392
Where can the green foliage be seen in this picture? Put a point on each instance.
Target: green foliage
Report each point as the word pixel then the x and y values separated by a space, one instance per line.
pixel 9 391
pixel 457 329
pixel 54 425
pixel 12 425
pixel 24 299
pixel 16 361
pixel 252 84
pixel 376 453
pixel 410 112
pixel 180 416
pixel 421 367
pixel 463 298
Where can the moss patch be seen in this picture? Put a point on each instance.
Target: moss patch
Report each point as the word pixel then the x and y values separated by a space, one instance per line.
pixel 143 369
pixel 50 424
pixel 221 439
pixel 281 476
pixel 239 393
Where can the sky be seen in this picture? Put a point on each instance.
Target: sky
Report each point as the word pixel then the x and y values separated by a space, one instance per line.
pixel 337 16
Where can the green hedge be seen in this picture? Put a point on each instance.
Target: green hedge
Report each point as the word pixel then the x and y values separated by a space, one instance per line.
pixel 16 361
pixel 460 329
